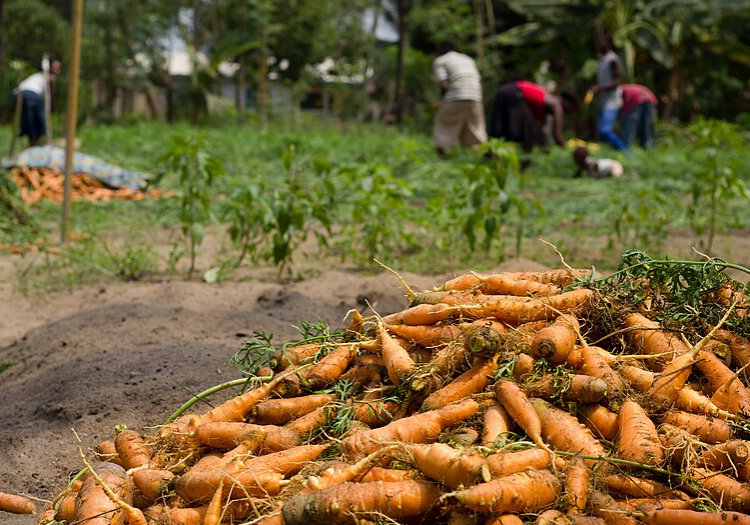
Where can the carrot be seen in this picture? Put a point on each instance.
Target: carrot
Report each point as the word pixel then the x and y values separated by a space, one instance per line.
pixel 152 483
pixel 338 504
pixel 237 408
pixel 213 512
pixel 563 431
pixel 65 508
pixel 577 481
pixel 426 335
pixel 497 423
pixel 201 486
pixel 644 504
pixel 422 314
pixel 599 420
pixel 606 508
pixel 732 396
pixel 739 347
pixel 288 461
pixel 724 490
pixel 707 429
pixel 639 487
pixel 311 421
pixel 446 360
pixel 341 473
pixel 131 449
pixel 387 474
pixel 667 385
pixel 470 382
pixel 177 516
pixel 374 412
pixel 555 517
pixel 667 516
pixel 328 369
pixel 505 519
pixel 16 504
pixel 529 491
pixel 47 517
pixel 557 342
pixel 732 456
pixel 520 409
pixel 518 310
pixel 366 369
pixel 295 355
pixel 506 463
pixel 94 505
pixel 561 277
pixel 575 387
pixel 523 367
pixel 691 400
pixel 484 337
pixel 280 411
pixel 648 338
pixel 457 518
pixel 451 467
pixel 638 440
pixel 396 359
pixel 593 364
pixel 424 427
pixel 106 451
pixel 230 434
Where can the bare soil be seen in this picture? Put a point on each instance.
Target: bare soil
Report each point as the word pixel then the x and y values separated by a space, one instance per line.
pixel 132 353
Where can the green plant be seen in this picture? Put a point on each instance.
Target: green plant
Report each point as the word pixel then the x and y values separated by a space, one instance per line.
pixel 5 365
pixel 196 170
pixel 716 180
pixel 641 220
pixel 376 218
pixel 131 261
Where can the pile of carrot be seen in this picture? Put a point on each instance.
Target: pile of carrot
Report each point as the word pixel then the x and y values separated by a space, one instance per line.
pixel 493 399
pixel 35 184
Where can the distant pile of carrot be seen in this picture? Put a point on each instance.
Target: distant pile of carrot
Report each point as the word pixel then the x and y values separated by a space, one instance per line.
pixel 486 401
pixel 35 184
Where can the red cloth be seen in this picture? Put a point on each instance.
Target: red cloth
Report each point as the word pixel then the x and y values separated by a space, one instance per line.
pixel 534 96
pixel 634 95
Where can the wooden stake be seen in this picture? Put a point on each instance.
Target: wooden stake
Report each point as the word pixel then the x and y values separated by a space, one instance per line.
pixel 71 114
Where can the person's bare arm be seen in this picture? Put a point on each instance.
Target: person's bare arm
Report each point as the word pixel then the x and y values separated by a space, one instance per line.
pixel 554 107
pixel 444 86
pixel 616 69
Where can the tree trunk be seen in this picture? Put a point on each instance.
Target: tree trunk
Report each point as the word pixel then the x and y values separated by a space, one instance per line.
pixel 402 10
pixel 2 48
pixel 239 91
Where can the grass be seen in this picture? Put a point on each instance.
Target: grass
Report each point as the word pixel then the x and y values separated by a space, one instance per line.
pixel 5 365
pixel 590 221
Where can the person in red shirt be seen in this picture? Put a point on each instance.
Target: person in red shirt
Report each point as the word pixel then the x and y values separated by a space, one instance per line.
pixel 520 110
pixel 637 115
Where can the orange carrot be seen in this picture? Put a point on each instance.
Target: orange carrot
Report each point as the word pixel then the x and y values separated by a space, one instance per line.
pixel 520 409
pixel 707 429
pixel 644 504
pixel 529 491
pixel 739 347
pixel 237 408
pixel 422 314
pixel 606 508
pixel 667 516
pixel 427 335
pixel 639 487
pixel 295 355
pixel 577 480
pixel 152 483
pixel 213 512
pixel 65 508
pixel 311 421
pixel 16 504
pixel 451 467
pixel 226 435
pixel 497 423
pixel 563 431
pixel 366 369
pixel 470 382
pixel 288 461
pixel 340 503
pixel 518 310
pixel 561 277
pixel 599 420
pixel 328 369
pixel 648 338
pixel 373 411
pixel 446 360
pixel 106 451
pixel 523 367
pixel 691 400
pixel 341 473
pixel 484 337
pixel 387 474
pixel 667 385
pixel 732 456
pixel 576 387
pixel 280 411
pixel 424 427
pixel 506 463
pixel 131 449
pixel 724 490
pixel 593 364
pixel 557 342
pixel 396 359
pixel 93 505
pixel 638 440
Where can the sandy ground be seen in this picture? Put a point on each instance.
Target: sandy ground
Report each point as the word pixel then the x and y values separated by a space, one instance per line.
pixel 131 353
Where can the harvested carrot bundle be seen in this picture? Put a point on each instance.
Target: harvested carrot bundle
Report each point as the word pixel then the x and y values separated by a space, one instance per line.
pixel 564 432
pixel 638 440
pixel 396 359
pixel 497 423
pixel 506 463
pixel 557 342
pixel 520 409
pixel 451 467
pixel 93 505
pixel 280 411
pixel 470 382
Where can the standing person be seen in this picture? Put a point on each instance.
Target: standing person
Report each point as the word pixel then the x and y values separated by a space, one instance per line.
pixel 608 88
pixel 33 91
pixel 461 113
pixel 520 110
pixel 638 114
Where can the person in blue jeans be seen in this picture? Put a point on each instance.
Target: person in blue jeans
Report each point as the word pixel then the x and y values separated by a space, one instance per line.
pixel 607 88
pixel 637 115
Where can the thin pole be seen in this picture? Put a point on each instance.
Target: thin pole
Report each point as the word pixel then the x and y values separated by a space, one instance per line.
pixel 47 101
pixel 18 66
pixel 71 114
